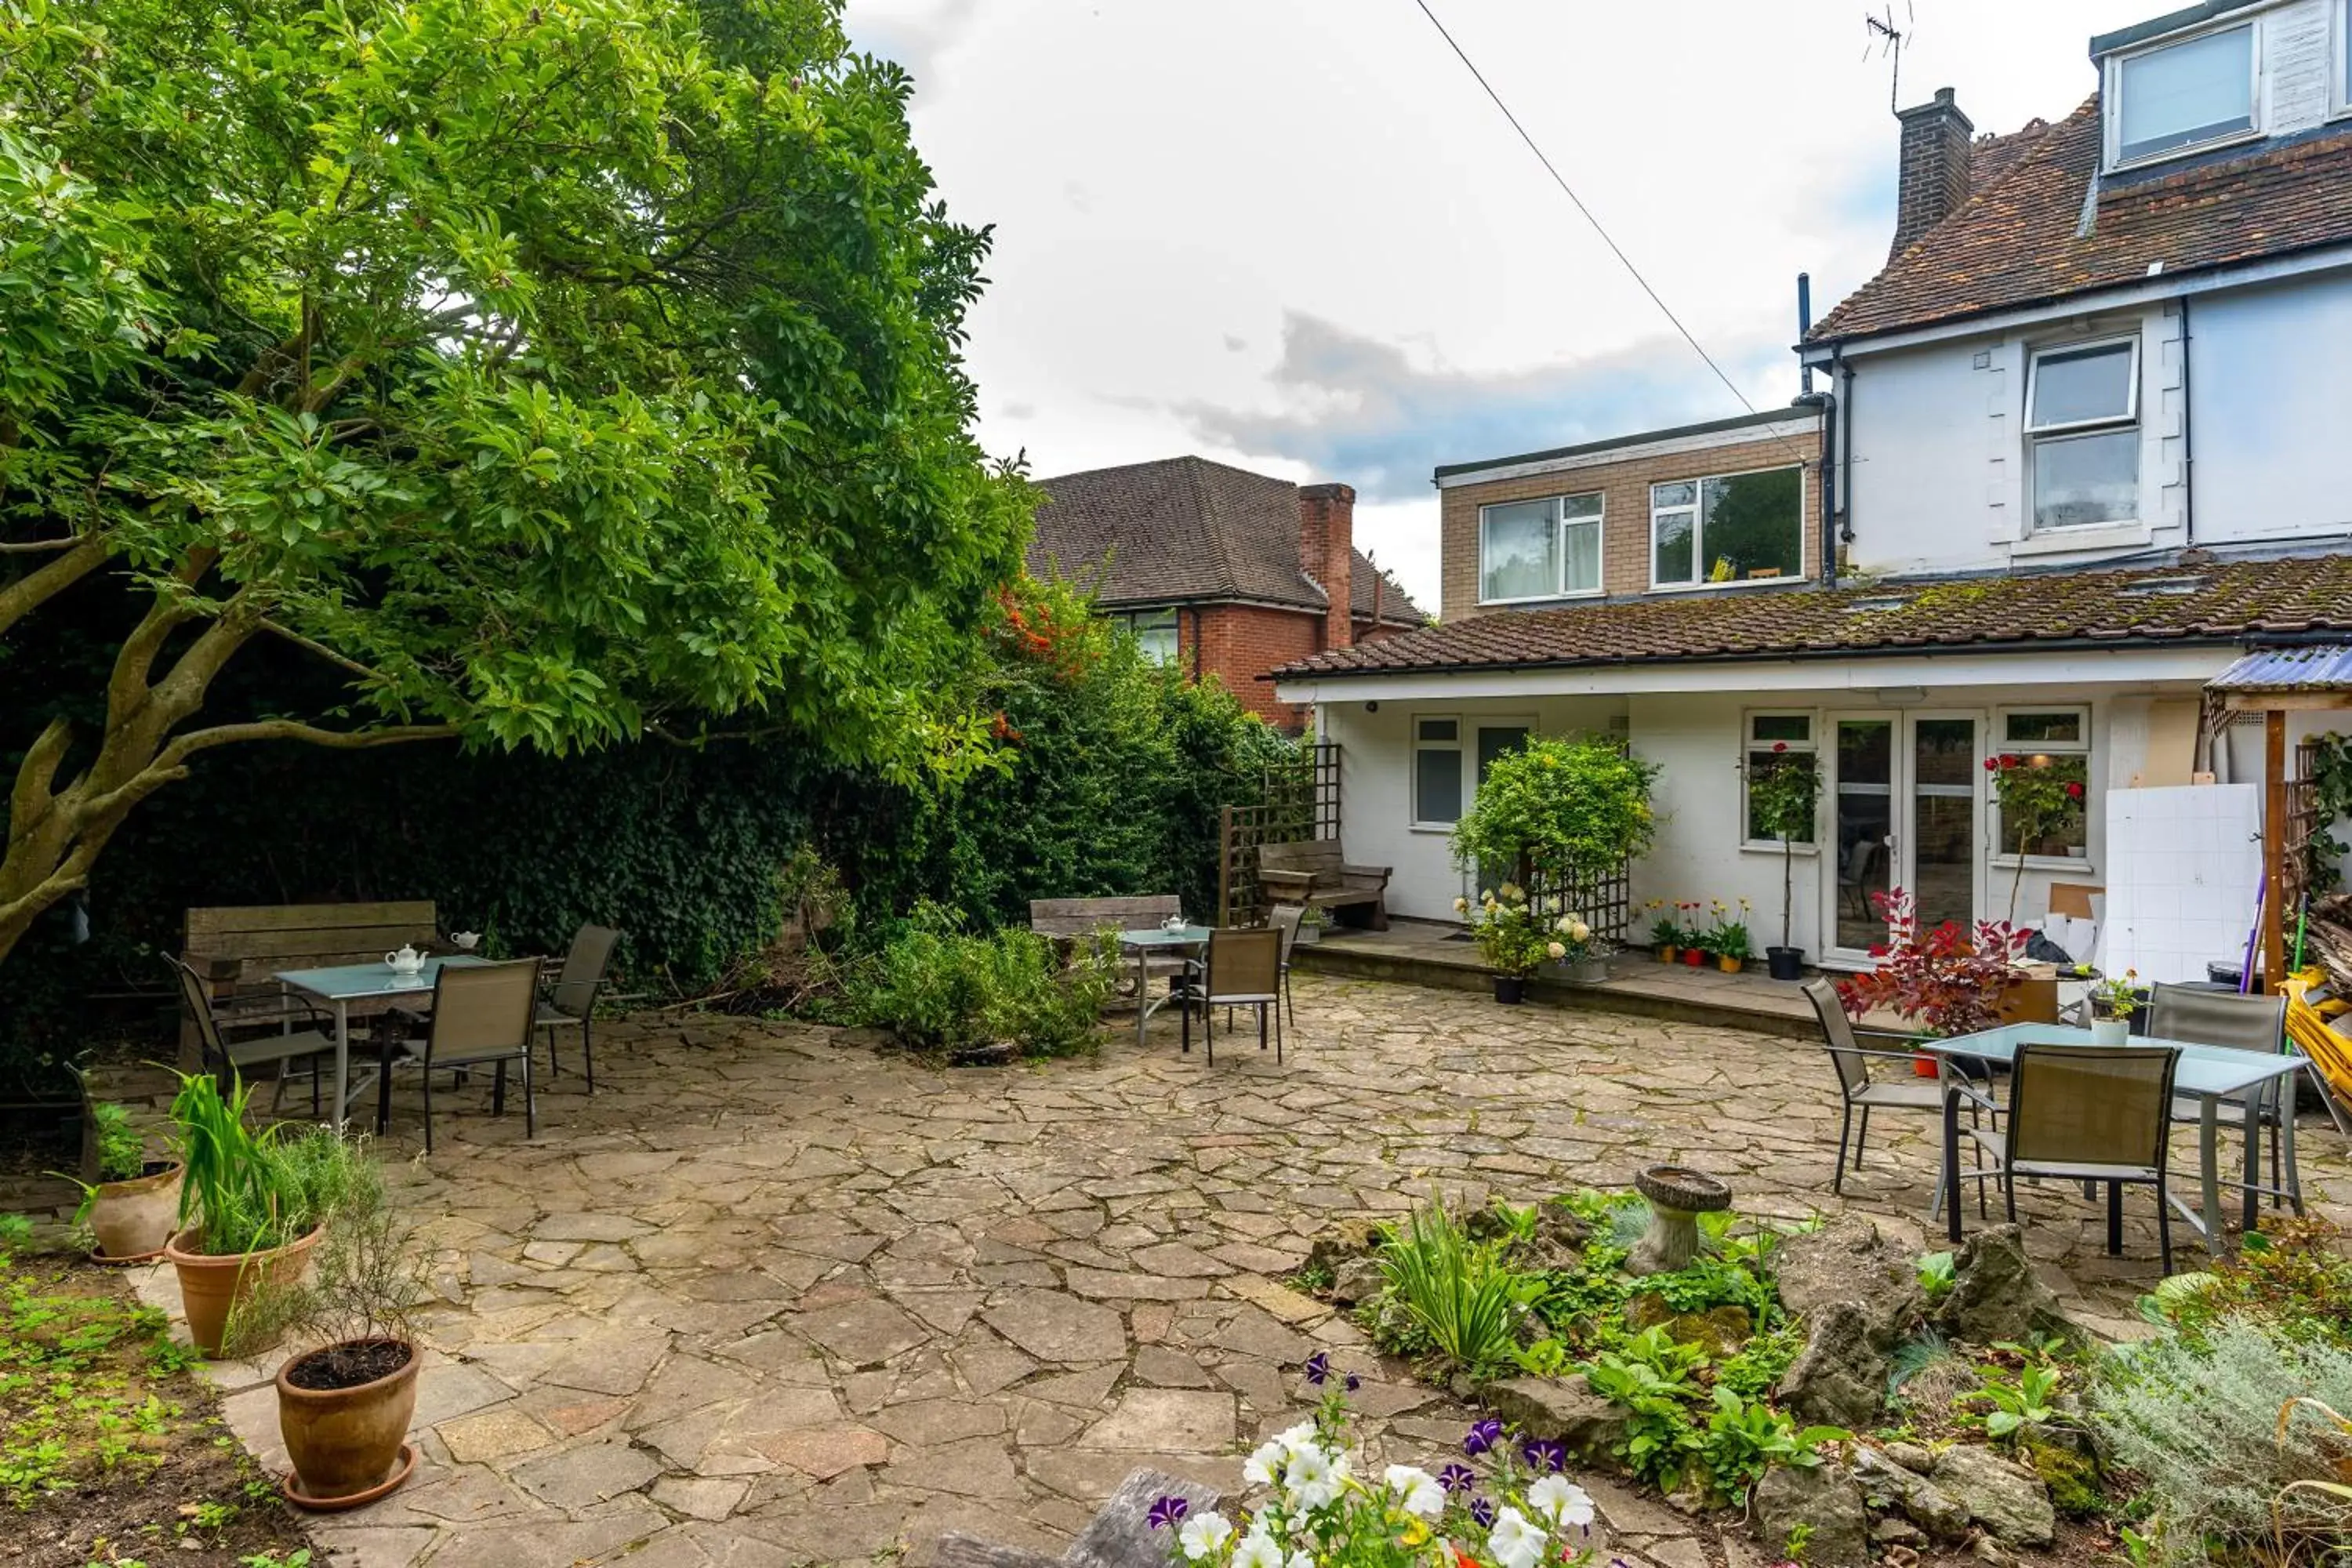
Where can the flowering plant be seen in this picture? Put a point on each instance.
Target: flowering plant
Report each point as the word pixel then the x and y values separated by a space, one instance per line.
pixel 2118 997
pixel 1572 938
pixel 1666 929
pixel 1946 982
pixel 1726 938
pixel 2039 796
pixel 1782 800
pixel 1323 1509
pixel 1511 937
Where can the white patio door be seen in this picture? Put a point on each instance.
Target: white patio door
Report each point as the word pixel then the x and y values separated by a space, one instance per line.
pixel 1906 810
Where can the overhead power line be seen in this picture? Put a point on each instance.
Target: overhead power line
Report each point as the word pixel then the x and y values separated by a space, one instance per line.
pixel 1569 192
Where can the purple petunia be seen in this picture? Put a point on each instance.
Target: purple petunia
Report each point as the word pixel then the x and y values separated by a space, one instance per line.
pixel 1354 1382
pixel 1167 1511
pixel 1482 1438
pixel 1318 1367
pixel 1545 1453
pixel 1457 1478
pixel 1483 1511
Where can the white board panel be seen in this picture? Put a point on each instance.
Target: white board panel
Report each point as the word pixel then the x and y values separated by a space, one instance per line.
pixel 2183 865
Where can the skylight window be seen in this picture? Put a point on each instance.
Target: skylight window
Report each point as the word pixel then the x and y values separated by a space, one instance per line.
pixel 1877 607
pixel 2183 96
pixel 2165 588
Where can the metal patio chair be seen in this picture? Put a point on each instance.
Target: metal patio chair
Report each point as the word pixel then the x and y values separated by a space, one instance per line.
pixel 484 1015
pixel 281 1047
pixel 2258 1024
pixel 1285 920
pixel 2090 1114
pixel 1863 1091
pixel 1242 969
pixel 570 1002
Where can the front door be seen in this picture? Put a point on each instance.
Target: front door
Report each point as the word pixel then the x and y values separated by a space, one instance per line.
pixel 1904 812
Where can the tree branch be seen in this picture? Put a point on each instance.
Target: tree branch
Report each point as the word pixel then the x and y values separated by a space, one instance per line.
pixel 30 592
pixel 38 546
pixel 195 740
pixel 310 645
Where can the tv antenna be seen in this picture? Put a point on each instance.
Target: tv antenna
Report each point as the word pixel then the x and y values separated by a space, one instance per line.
pixel 1888 38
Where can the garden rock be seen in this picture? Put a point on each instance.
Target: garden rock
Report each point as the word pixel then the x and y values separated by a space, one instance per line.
pixel 1996 1295
pixel 1841 1375
pixel 1356 1281
pixel 1353 1237
pixel 1848 1260
pixel 2011 1503
pixel 1721 1330
pixel 1562 1408
pixel 1819 1506
pixel 1919 1499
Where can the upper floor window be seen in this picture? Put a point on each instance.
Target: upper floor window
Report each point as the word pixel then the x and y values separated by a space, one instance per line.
pixel 2182 96
pixel 2082 416
pixel 1154 632
pixel 1737 528
pixel 1540 549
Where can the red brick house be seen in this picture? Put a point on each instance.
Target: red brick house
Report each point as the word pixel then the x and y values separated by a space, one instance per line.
pixel 1229 572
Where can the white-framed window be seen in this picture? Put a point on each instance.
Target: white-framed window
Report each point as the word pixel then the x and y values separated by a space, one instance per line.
pixel 2056 738
pixel 1547 549
pixel 2179 96
pixel 2082 421
pixel 1727 528
pixel 1437 771
pixel 2342 98
pixel 1775 741
pixel 1154 632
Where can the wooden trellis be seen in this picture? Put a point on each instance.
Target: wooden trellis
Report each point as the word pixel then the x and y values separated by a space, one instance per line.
pixel 1297 801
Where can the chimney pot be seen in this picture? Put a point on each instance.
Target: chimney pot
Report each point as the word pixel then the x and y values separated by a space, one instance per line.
pixel 1933 173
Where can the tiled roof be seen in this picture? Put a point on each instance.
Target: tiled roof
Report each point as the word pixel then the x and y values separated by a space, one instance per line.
pixel 2021 237
pixel 2219 601
pixel 1185 529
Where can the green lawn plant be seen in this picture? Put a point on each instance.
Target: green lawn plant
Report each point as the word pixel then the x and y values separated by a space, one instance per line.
pixel 937 986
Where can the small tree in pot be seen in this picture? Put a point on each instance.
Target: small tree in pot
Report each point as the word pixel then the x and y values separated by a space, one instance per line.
pixel 1782 796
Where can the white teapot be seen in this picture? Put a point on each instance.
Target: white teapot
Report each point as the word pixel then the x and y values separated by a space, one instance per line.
pixel 407 960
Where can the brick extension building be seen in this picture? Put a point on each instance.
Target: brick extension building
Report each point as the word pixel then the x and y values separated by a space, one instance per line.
pixel 1229 572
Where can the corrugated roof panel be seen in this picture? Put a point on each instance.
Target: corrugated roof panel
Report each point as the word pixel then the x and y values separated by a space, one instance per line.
pixel 2322 667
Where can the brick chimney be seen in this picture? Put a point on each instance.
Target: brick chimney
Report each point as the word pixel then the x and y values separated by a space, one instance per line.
pixel 1326 553
pixel 1934 177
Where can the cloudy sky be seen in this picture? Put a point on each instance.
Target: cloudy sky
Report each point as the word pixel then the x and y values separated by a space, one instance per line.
pixel 1295 236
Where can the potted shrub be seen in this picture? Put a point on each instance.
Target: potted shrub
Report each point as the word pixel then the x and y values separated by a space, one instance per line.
pixel 1943 982
pixel 250 1205
pixel 133 1206
pixel 2113 1002
pixel 2038 795
pixel 1510 939
pixel 1665 934
pixel 1558 815
pixel 345 1400
pixel 1783 797
pixel 1312 918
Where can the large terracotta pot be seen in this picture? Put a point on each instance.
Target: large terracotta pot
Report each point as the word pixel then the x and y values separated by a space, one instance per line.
pixel 134 1218
pixel 345 1441
pixel 211 1287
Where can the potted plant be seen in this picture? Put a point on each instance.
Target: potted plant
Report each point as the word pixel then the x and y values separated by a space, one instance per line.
pixel 133 1206
pixel 1573 948
pixel 2038 795
pixel 1943 982
pixel 344 1402
pixel 1510 939
pixel 249 1208
pixel 1729 940
pixel 1782 797
pixel 1665 934
pixel 1312 918
pixel 2113 1002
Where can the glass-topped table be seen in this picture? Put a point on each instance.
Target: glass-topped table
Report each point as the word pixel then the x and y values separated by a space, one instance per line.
pixel 364 988
pixel 1156 942
pixel 2207 1074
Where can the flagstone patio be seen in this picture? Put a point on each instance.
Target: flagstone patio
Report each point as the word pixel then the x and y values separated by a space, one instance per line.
pixel 770 1297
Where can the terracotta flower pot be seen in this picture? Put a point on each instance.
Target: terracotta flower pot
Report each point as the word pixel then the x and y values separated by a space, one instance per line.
pixel 344 1441
pixel 134 1218
pixel 1923 1067
pixel 211 1287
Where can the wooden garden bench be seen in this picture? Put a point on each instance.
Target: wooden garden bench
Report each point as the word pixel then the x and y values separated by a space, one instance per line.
pixel 1068 921
pixel 237 950
pixel 1311 872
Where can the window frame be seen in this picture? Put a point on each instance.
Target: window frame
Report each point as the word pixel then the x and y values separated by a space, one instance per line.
pixel 1558 525
pixel 1997 741
pixel 1749 748
pixel 2111 133
pixel 1130 623
pixel 1696 507
pixel 1415 746
pixel 2038 436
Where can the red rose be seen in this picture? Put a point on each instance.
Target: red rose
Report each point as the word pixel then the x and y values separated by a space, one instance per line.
pixel 1992 764
pixel 2074 791
pixel 1779 746
pixel 2009 759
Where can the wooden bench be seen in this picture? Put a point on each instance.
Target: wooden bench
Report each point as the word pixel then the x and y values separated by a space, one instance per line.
pixel 237 950
pixel 1310 872
pixel 1069 921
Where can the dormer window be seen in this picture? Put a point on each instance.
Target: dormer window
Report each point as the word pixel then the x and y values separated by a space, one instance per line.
pixel 2178 97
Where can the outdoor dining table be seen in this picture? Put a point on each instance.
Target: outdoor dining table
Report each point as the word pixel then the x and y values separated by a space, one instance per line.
pixel 2208 1074
pixel 1186 940
pixel 346 985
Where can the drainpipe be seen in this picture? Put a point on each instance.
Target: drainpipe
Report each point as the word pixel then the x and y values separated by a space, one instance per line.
pixel 2187 442
pixel 1825 405
pixel 1842 374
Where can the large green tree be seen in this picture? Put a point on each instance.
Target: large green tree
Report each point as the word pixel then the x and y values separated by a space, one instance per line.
pixel 556 372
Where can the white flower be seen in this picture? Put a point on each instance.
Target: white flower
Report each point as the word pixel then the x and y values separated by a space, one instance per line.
pixel 1556 951
pixel 1417 1491
pixel 1515 1543
pixel 1296 1439
pixel 1461 906
pixel 1258 1550
pixel 1565 924
pixel 1204 1534
pixel 1299 1559
pixel 1264 1468
pixel 1562 1500
pixel 1315 1478
pixel 1580 931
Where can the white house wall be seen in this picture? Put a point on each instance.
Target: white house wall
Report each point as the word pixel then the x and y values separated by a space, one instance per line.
pixel 2271 374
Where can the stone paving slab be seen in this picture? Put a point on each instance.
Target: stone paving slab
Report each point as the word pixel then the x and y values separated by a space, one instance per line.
pixel 770 1299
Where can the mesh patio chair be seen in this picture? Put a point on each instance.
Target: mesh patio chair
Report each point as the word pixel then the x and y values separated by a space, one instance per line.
pixel 2256 1024
pixel 1286 920
pixel 2090 1114
pixel 1242 969
pixel 1863 1091
pixel 570 1002
pixel 274 1044
pixel 483 1015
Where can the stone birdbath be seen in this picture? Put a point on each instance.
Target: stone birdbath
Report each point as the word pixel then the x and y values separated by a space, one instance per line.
pixel 1678 1195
